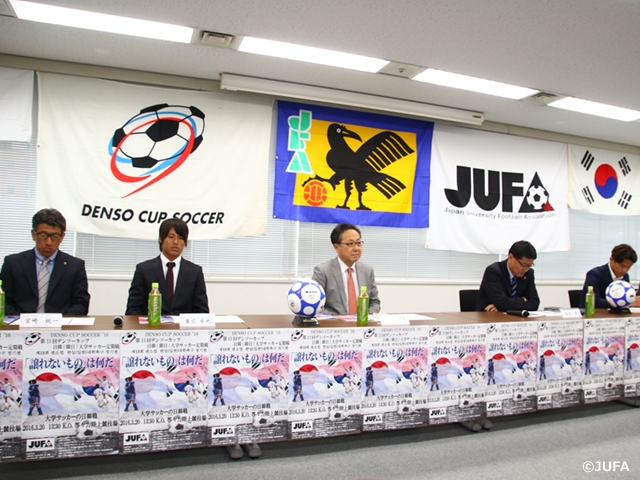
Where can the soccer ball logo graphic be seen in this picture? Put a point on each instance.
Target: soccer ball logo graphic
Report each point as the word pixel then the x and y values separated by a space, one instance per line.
pixel 620 294
pixel 155 142
pixel 306 298
pixel 537 197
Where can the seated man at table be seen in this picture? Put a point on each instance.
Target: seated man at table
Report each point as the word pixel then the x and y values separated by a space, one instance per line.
pixel 45 279
pixel 510 284
pixel 622 259
pixel 341 278
pixel 181 282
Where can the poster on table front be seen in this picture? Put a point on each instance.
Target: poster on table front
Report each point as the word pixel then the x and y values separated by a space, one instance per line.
pixel 457 356
pixel 560 349
pixel 163 383
pixel 71 395
pixel 324 395
pixel 512 349
pixel 632 357
pixel 603 360
pixel 394 378
pixel 11 395
pixel 248 386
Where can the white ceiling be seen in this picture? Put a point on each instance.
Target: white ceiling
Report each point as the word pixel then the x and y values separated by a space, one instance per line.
pixel 584 48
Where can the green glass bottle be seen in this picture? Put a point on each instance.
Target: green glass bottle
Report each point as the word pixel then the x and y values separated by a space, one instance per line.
pixel 590 303
pixel 363 307
pixel 155 306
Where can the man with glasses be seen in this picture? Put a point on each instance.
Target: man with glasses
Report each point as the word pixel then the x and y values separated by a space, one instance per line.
pixel 510 284
pixel 622 259
pixel 341 278
pixel 45 279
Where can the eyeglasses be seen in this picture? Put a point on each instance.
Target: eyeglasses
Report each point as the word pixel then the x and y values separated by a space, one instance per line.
pixel 524 265
pixel 353 244
pixel 52 236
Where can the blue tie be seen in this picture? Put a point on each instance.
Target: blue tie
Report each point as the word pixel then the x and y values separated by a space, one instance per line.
pixel 514 286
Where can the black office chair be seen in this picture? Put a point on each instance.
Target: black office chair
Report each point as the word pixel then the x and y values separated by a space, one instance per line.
pixel 574 298
pixel 468 300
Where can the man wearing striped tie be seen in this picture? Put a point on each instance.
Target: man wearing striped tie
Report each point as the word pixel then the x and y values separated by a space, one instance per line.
pixel 45 279
pixel 510 284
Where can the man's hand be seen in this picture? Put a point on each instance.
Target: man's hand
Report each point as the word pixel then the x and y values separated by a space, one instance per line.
pixel 490 308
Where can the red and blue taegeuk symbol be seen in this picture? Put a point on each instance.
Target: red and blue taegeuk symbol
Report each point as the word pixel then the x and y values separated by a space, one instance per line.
pixel 606 180
pixel 154 143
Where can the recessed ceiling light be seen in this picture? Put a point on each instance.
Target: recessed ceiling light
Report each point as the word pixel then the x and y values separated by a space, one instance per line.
pixel 594 108
pixel 474 84
pixel 69 17
pixel 311 54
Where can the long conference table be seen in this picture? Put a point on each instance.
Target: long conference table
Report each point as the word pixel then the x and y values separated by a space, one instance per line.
pixel 103 389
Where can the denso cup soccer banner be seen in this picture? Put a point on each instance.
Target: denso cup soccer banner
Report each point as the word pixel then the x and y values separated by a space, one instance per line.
pixel 335 165
pixel 117 159
pixel 489 190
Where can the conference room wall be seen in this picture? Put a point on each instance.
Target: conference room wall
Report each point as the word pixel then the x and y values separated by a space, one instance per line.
pixel 109 296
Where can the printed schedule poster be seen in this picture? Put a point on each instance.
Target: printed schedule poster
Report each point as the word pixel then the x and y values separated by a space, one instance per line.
pixel 560 347
pixel 457 356
pixel 70 386
pixel 603 360
pixel 248 386
pixel 324 393
pixel 162 378
pixel 512 350
pixel 395 374
pixel 11 395
pixel 632 358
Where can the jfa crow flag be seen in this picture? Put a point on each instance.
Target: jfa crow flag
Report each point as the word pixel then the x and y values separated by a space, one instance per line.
pixel 335 165
pixel 117 159
pixel 603 181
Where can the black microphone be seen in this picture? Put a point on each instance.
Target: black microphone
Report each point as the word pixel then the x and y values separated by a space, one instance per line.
pixel 518 313
pixel 118 321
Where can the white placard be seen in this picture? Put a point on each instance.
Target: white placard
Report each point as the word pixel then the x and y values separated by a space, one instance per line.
pixel 195 320
pixel 30 321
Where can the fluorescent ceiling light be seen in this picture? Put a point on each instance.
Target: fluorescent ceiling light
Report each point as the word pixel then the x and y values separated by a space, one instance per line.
pixel 68 17
pixel 474 84
pixel 344 98
pixel 594 108
pixel 311 54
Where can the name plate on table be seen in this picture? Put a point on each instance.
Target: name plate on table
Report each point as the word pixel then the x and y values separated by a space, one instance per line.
pixel 571 313
pixel 197 320
pixel 30 321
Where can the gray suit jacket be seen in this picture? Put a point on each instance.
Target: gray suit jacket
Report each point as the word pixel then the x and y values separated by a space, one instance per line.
pixel 328 275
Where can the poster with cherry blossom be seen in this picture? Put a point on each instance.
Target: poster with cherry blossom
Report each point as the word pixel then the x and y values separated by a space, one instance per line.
pixel 603 360
pixel 11 345
pixel 394 375
pixel 70 393
pixel 324 394
pixel 248 386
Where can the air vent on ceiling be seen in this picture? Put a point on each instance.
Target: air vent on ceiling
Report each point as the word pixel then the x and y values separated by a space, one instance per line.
pixel 543 98
pixel 216 39
pixel 401 70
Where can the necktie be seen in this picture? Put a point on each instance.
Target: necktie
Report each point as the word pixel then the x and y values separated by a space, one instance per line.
pixel 351 289
pixel 514 286
pixel 43 285
pixel 169 281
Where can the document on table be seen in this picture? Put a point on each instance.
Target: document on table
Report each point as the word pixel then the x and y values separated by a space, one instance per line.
pixel 228 319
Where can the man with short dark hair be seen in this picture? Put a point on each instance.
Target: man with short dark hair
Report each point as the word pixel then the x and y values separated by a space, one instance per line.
pixel 45 279
pixel 181 282
pixel 622 259
pixel 341 278
pixel 510 284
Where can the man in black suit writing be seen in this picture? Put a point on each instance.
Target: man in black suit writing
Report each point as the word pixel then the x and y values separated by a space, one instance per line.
pixel 181 281
pixel 45 279
pixel 510 284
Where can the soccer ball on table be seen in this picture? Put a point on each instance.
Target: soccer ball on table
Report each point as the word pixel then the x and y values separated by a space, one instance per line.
pixel 306 298
pixel 620 294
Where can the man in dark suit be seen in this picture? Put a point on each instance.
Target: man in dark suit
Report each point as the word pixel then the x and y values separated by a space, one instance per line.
pixel 622 259
pixel 334 274
pixel 510 284
pixel 45 279
pixel 188 292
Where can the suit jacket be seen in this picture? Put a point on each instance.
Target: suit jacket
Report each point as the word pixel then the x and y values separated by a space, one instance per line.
pixel 68 286
pixel 496 289
pixel 599 278
pixel 328 275
pixel 189 296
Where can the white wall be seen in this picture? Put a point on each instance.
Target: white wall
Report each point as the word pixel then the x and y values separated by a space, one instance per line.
pixel 109 296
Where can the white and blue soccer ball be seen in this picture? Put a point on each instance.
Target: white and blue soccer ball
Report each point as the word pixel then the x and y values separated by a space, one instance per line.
pixel 620 294
pixel 306 298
